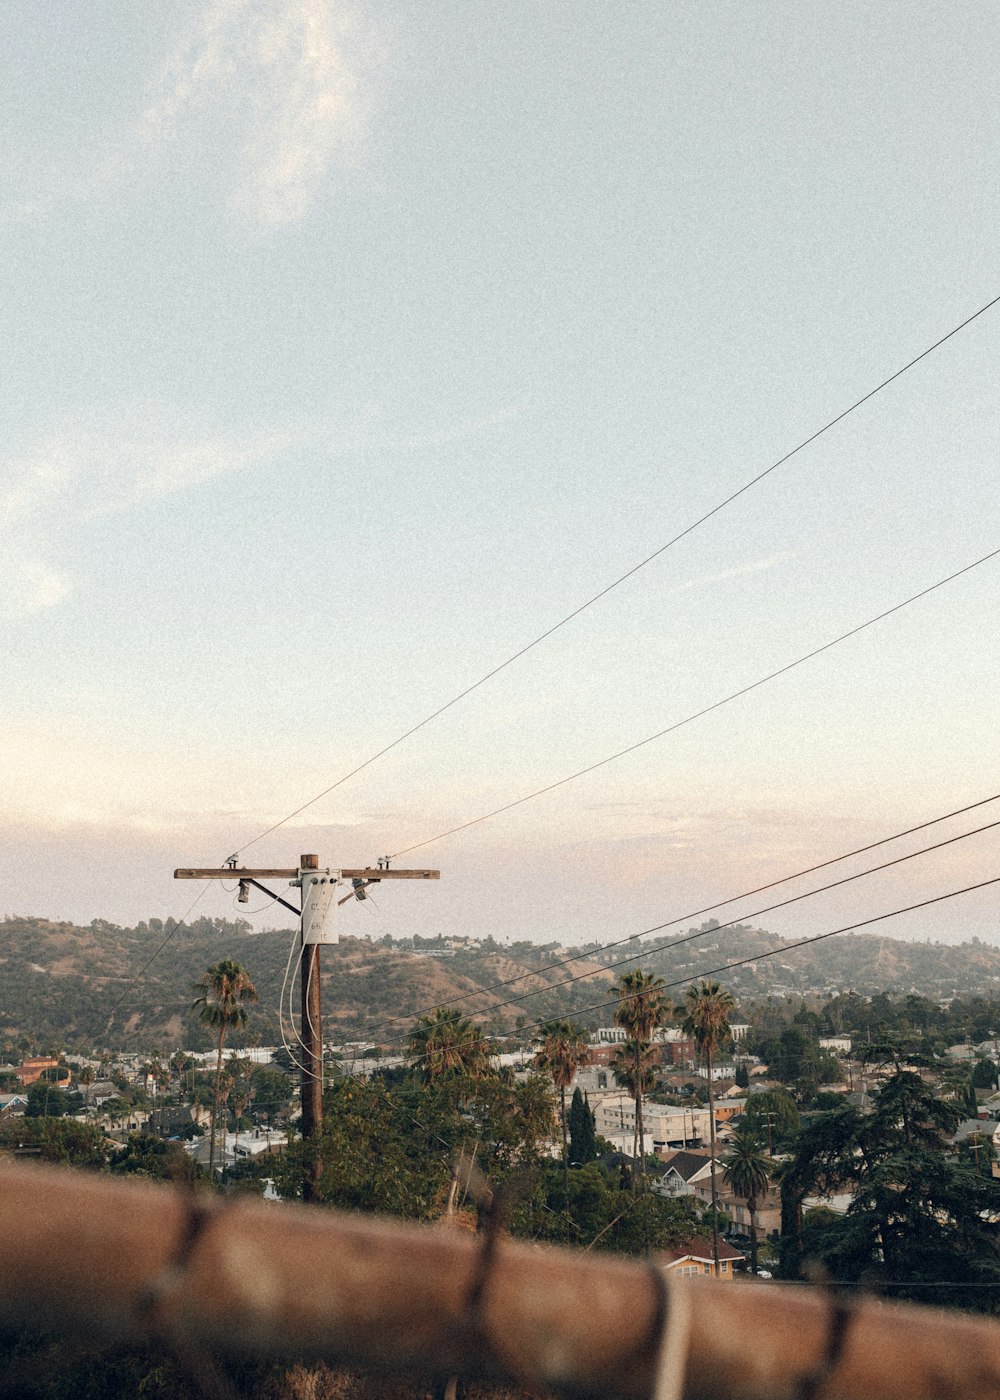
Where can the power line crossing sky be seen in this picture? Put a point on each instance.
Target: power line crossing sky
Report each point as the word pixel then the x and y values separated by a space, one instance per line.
pixel 347 346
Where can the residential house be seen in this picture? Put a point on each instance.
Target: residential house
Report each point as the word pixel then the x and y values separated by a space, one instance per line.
pixel 232 1148
pixel 31 1069
pixel 98 1093
pixel 767 1216
pixel 690 1174
pixel 726 1109
pixel 694 1257
pixel 169 1122
pixel 683 1171
pixel 987 1132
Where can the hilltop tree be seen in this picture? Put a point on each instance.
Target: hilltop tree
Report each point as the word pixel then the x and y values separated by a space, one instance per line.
pixel 224 990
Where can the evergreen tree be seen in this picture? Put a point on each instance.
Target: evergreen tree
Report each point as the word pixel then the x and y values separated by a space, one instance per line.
pixel 44 1100
pixel 984 1075
pixel 919 1212
pixel 582 1131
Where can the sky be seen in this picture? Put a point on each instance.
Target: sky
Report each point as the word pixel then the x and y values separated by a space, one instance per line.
pixel 347 348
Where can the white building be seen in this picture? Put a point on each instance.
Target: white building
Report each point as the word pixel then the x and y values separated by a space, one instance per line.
pixel 256 1054
pixel 231 1148
pixel 617 1035
pixel 664 1125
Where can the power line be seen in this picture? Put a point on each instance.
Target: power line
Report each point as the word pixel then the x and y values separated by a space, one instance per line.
pixel 772 953
pixel 806 942
pixel 875 1285
pixel 149 963
pixel 655 928
pixel 709 909
pixel 635 568
pixel 721 928
pixel 699 714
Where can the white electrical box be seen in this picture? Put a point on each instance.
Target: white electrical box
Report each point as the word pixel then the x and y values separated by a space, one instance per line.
pixel 319 923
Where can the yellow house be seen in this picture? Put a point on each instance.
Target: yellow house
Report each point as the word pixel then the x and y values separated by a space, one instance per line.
pixel 693 1257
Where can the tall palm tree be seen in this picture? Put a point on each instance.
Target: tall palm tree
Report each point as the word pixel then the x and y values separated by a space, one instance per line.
pixel 447 1045
pixel 746 1170
pixel 707 1010
pixel 635 1063
pixel 642 1009
pixel 224 990
pixel 562 1050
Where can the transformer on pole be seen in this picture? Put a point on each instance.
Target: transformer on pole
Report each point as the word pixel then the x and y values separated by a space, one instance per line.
pixel 317 925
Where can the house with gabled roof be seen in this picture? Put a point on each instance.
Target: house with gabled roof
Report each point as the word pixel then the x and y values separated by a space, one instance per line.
pixel 685 1170
pixel 693 1257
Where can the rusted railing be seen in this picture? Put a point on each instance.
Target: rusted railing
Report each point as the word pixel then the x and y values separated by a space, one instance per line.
pixel 244 1278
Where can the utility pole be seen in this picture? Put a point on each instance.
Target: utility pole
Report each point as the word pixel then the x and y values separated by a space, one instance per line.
pixel 318 888
pixel 769 1119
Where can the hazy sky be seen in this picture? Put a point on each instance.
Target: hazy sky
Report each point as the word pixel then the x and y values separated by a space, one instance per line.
pixel 347 347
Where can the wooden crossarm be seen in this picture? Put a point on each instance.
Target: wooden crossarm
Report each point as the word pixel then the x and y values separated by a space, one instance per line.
pixel 226 872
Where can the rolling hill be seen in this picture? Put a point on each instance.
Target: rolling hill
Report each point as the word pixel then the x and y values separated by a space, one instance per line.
pixel 102 985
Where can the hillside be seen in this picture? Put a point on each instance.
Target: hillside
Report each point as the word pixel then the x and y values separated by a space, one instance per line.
pixel 61 982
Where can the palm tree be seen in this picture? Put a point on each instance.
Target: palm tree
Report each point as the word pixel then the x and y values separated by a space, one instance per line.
pixel 562 1050
pixel 224 990
pixel 446 1045
pixel 635 1063
pixel 746 1170
pixel 642 1009
pixel 706 1020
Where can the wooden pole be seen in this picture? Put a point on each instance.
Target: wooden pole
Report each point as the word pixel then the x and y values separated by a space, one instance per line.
pixel 93 1255
pixel 312 1057
pixel 311 1036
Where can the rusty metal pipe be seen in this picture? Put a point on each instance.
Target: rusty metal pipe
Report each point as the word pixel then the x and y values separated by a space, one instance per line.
pixel 92 1254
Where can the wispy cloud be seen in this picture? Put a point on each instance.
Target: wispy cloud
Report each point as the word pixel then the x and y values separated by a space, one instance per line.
pixel 261 98
pixel 278 85
pixel 759 566
pixel 80 470
pixel 29 585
